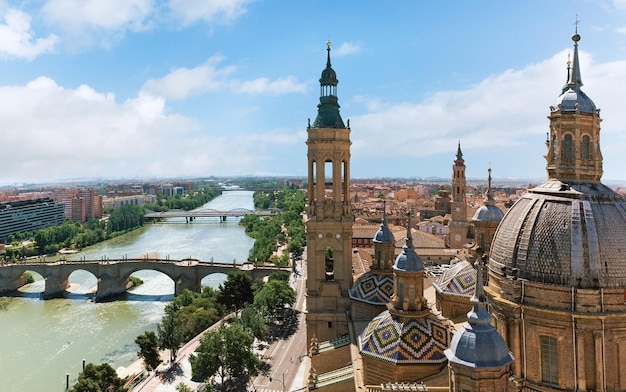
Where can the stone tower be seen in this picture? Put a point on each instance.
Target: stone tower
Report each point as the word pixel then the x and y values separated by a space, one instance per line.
pixel 574 142
pixel 459 225
pixel 329 216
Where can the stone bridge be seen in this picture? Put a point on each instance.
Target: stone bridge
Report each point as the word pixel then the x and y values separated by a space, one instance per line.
pixel 113 275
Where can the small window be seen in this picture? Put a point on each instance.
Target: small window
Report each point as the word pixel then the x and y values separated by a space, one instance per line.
pixel 330 324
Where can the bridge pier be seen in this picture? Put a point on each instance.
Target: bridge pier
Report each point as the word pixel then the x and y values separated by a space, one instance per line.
pixel 55 285
pixel 110 287
pixel 187 282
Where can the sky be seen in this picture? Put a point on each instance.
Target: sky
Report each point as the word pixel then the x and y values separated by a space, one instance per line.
pixel 138 89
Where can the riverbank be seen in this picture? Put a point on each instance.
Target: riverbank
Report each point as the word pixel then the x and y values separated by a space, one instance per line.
pixel 167 376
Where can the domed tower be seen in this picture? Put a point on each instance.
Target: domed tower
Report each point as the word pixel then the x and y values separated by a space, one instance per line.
pixel 486 219
pixel 372 291
pixel 407 341
pixel 478 356
pixel 329 217
pixel 459 226
pixel 557 270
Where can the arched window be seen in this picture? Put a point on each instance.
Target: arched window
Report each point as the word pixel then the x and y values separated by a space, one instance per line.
pixel 568 147
pixel 586 149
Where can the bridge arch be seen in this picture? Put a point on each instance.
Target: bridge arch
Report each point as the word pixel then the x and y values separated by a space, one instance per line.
pixel 213 279
pixel 30 288
pixel 156 285
pixel 80 283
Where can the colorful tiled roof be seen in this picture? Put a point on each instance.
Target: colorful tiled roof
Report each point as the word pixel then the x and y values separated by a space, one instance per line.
pixel 405 340
pixel 460 279
pixel 371 288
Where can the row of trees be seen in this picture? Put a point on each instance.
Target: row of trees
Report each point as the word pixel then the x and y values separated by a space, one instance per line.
pixel 74 235
pixel 272 232
pixel 187 201
pixel 225 354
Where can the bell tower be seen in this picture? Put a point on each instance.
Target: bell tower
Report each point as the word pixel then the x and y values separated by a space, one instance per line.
pixel 459 226
pixel 329 216
pixel 574 141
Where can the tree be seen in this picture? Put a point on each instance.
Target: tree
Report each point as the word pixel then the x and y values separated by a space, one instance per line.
pixel 170 335
pixel 251 319
pixel 149 350
pixel 226 353
pixel 99 378
pixel 273 297
pixel 236 291
pixel 182 387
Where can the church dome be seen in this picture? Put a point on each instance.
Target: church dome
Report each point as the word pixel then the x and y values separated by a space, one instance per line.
pixel 405 340
pixel 566 234
pixel 408 260
pixel 458 280
pixel 384 235
pixel 574 99
pixel 477 343
pixel 488 213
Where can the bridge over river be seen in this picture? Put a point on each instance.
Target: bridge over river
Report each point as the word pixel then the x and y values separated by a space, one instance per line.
pixel 113 275
pixel 208 213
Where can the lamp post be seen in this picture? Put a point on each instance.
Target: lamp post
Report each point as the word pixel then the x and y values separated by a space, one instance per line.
pixel 282 380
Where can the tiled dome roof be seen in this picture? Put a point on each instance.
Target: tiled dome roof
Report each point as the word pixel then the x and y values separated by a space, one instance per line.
pixel 371 288
pixel 405 340
pixel 459 280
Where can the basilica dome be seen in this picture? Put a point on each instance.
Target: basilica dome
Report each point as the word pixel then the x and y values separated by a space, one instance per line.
pixel 567 234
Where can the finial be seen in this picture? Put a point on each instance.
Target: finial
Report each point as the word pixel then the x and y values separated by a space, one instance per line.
pixel 328 57
pixel 576 37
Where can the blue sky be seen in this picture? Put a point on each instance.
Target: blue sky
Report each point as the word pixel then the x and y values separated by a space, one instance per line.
pixel 149 88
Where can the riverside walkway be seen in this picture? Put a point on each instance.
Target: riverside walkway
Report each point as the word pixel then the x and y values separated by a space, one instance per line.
pixel 113 275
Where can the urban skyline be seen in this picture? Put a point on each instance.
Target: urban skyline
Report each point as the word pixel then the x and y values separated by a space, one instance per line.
pixel 144 89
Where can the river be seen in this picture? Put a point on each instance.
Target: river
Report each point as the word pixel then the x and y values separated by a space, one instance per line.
pixel 42 341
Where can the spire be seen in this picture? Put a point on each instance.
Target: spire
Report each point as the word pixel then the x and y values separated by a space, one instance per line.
pixel 459 161
pixel 489 200
pixel 480 312
pixel 574 77
pixel 384 235
pixel 328 108
pixel 408 260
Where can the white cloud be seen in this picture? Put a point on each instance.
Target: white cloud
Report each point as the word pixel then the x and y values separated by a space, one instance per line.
pixel 57 132
pixel 503 111
pixel 181 83
pixel 87 21
pixel 347 48
pixel 16 37
pixel 60 133
pixel 211 11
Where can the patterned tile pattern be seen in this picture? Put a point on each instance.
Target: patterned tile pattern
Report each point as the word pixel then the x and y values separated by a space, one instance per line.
pixel 459 280
pixel 407 340
pixel 372 288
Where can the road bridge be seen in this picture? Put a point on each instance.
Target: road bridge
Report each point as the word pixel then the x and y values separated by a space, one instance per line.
pixel 113 275
pixel 208 213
